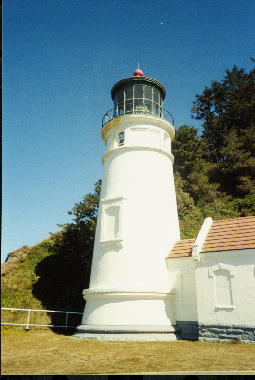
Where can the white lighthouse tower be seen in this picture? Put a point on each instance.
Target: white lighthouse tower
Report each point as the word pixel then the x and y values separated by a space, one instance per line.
pixel 129 297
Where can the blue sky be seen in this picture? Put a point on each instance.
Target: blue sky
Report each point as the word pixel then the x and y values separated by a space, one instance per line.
pixel 61 58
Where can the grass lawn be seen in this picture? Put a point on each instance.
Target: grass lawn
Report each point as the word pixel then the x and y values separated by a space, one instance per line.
pixel 42 352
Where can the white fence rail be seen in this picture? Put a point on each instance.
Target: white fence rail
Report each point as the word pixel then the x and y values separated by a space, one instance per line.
pixel 28 318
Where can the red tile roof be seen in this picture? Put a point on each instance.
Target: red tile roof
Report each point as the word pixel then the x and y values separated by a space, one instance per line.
pixel 229 234
pixel 224 235
pixel 182 248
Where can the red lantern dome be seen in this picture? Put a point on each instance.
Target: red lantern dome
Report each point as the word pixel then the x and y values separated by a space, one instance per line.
pixel 138 73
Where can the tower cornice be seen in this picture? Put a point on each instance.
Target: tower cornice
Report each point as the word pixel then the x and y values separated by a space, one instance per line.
pixel 138 119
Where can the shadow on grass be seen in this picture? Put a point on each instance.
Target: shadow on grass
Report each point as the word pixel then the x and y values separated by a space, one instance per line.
pixel 64 274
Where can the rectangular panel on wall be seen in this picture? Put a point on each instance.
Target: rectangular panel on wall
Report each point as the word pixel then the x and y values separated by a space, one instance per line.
pixel 223 288
pixel 222 274
pixel 111 231
pixel 111 222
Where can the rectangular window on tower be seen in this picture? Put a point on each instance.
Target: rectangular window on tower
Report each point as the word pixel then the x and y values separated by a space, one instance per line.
pixel 121 138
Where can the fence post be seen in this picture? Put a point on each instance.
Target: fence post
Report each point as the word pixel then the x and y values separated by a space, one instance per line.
pixel 28 320
pixel 66 318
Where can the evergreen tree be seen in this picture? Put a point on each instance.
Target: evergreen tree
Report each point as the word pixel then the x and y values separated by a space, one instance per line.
pixel 187 148
pixel 227 110
pixel 189 154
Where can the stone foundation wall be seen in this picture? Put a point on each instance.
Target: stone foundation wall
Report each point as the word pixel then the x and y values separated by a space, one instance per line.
pixel 191 330
pixel 226 333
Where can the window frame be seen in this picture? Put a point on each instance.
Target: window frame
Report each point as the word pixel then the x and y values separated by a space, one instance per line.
pixel 121 138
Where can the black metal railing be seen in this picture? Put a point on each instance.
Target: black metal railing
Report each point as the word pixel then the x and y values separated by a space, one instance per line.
pixel 161 114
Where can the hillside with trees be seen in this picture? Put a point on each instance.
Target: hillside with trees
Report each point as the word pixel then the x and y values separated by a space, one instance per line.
pixel 214 176
pixel 215 172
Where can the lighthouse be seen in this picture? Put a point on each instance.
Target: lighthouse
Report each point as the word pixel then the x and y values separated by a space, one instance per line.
pixel 129 296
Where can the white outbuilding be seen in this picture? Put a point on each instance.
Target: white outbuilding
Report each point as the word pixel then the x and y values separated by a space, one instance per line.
pixel 214 281
pixel 147 284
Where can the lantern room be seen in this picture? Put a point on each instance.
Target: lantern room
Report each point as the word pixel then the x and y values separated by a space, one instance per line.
pixel 138 95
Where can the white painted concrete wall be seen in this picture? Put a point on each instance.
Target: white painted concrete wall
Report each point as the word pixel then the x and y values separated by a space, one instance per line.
pixel 220 289
pixel 183 283
pixel 226 287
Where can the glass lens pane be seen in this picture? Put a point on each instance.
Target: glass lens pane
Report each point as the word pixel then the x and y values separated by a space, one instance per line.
pixel 156 109
pixel 138 103
pixel 120 95
pixel 138 91
pixel 129 92
pixel 115 107
pixel 120 109
pixel 147 92
pixel 139 107
pixel 147 106
pixel 155 95
pixel 129 106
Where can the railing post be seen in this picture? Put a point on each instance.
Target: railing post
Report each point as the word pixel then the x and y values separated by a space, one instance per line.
pixel 28 320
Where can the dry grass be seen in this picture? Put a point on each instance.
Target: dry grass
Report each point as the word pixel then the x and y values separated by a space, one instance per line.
pixel 44 352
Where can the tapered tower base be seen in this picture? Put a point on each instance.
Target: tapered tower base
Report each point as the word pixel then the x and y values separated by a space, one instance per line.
pixel 127 333
pixel 128 337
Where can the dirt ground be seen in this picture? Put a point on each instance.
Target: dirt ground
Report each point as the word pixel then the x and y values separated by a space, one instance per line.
pixel 44 352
